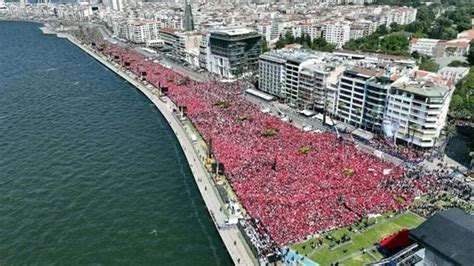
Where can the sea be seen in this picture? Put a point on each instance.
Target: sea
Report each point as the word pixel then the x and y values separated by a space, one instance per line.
pixel 90 172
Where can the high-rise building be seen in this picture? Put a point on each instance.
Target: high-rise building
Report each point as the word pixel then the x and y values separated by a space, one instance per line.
pixel 301 78
pixel 351 98
pixel 143 31
pixel 117 5
pixel 420 107
pixel 337 33
pixel 233 52
pixel 188 21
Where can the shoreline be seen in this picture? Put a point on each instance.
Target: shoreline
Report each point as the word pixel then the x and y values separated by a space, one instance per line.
pixel 231 237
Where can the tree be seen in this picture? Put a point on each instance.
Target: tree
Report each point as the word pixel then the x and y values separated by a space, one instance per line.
pixel 382 30
pixel 456 104
pixel 415 55
pixel 264 46
pixel 395 43
pixel 470 55
pixel 320 44
pixel 280 43
pixel 308 40
pixel 394 27
pixel 428 64
pixel 462 102
pixel 450 131
pixel 289 38
pixel 456 63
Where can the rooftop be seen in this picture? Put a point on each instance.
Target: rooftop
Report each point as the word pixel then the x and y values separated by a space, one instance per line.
pixel 234 31
pixel 299 55
pixel 450 233
pixel 366 71
pixel 421 87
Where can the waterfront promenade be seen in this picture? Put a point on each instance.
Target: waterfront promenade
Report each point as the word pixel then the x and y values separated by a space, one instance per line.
pixel 231 236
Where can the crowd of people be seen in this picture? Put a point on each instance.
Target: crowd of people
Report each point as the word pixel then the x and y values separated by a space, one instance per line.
pixel 446 191
pixel 402 152
pixel 292 183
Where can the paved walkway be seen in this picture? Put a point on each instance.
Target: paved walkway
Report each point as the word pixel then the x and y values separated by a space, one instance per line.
pixel 230 236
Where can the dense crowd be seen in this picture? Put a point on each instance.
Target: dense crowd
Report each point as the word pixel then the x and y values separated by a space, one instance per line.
pixel 292 183
pixel 402 152
pixel 446 191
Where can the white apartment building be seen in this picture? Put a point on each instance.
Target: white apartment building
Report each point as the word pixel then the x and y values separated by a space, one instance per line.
pixel 401 16
pixel 453 73
pixel 421 107
pixel 265 29
pixel 423 46
pixel 143 31
pixel 301 78
pixel 357 32
pixel 188 47
pixel 271 72
pixel 314 31
pixel 336 33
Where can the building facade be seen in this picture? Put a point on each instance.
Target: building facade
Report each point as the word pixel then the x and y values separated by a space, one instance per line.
pixel 337 33
pixel 421 108
pixel 233 52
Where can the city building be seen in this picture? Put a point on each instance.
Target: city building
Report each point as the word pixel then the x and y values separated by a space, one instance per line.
pixel 336 33
pixel 447 238
pixel 300 78
pixel 203 53
pixel 232 52
pixel 170 39
pixel 423 46
pixel 188 47
pixel 400 15
pixel 352 94
pixel 271 74
pixel 188 21
pixel 143 31
pixel 420 107
pixel 454 73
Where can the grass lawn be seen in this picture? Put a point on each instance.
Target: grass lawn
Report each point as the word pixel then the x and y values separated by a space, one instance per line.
pixel 358 260
pixel 384 227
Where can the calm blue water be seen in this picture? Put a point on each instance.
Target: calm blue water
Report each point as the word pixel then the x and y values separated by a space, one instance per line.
pixel 88 166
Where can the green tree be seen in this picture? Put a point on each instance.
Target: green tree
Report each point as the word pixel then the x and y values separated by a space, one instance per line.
pixel 457 103
pixel 415 55
pixel 395 43
pixel 382 30
pixel 264 46
pixel 450 131
pixel 470 55
pixel 280 43
pixel 320 44
pixel 289 38
pixel 394 27
pixel 462 102
pixel 428 64
pixel 456 63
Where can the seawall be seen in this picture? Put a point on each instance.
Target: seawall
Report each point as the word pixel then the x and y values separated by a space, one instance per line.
pixel 236 246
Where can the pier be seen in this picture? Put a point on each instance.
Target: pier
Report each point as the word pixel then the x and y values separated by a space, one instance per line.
pixel 231 236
